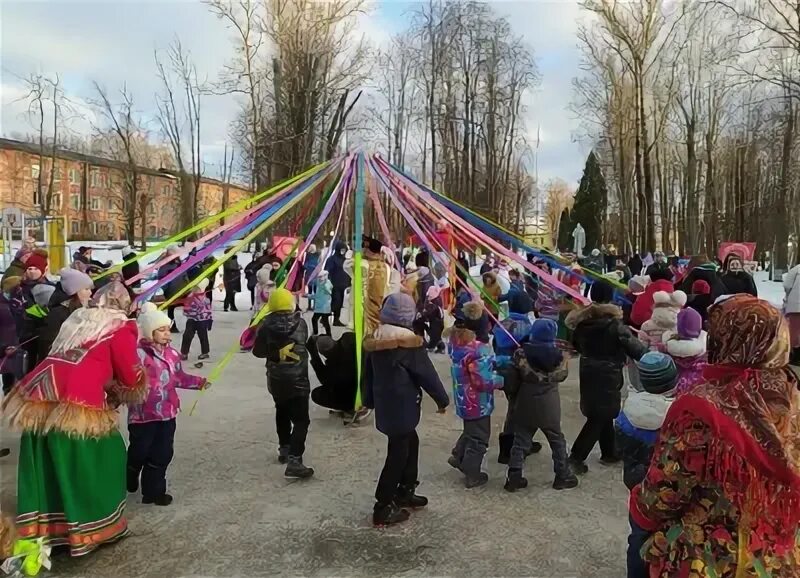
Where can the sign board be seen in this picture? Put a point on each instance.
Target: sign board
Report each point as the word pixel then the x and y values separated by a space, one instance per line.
pixel 744 250
pixel 281 246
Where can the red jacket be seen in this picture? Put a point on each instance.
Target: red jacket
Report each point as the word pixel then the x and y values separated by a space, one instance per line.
pixel 76 391
pixel 643 307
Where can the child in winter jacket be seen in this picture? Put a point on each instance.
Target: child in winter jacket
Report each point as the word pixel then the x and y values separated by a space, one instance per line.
pixel 323 291
pixel 687 346
pixel 433 316
pixel 397 371
pixel 637 428
pixel 281 340
pixel 474 383
pixel 539 370
pixel 151 424
pixel 197 310
pixel 264 286
pixel 604 344
pixel 663 319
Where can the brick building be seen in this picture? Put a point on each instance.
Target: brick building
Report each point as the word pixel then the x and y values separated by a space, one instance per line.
pixel 90 192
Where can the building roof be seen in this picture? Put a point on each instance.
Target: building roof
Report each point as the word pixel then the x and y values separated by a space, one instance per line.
pixel 32 148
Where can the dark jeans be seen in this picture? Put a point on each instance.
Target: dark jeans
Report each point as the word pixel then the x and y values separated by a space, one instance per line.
pixel 230 300
pixel 472 445
pixel 324 317
pixel 523 439
pixel 149 453
pixel 596 429
pixel 636 539
pixel 291 423
pixel 337 301
pixel 401 467
pixel 192 327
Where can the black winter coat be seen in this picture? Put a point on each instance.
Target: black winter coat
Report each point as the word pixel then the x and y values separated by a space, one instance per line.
pixel 711 277
pixel 177 283
pixel 397 371
pixel 232 275
pixel 741 282
pixel 57 314
pixel 604 343
pixel 281 340
pixel 537 403
pixel 335 268
pixel 131 270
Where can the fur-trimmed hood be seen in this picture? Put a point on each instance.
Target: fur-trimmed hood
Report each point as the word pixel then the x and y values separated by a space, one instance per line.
pixel 591 312
pixel 392 337
pixel 685 347
pixel 647 410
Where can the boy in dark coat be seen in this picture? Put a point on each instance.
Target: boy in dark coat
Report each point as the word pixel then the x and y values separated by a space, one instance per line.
pixel 339 279
pixel 398 369
pixel 637 427
pixel 540 368
pixel 281 340
pixel 604 344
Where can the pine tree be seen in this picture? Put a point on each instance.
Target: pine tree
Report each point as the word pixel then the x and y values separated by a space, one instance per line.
pixel 564 231
pixel 590 203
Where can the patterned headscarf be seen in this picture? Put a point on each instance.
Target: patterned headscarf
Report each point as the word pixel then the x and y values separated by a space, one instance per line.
pixel 113 295
pixel 751 402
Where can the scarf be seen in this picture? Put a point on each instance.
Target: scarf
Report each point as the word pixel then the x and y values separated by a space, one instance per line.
pixel 750 401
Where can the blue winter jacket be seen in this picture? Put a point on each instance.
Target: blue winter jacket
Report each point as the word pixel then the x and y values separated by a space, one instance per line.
pixel 322 296
pixel 474 377
pixel 518 326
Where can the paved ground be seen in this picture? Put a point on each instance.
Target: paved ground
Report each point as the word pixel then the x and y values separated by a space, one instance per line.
pixel 235 514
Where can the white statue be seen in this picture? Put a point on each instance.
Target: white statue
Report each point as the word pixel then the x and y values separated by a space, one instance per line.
pixel 580 240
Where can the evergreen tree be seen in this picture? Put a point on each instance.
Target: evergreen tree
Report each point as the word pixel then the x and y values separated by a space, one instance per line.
pixel 590 203
pixel 564 231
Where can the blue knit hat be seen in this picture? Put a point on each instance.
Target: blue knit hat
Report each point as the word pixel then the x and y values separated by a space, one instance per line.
pixel 657 372
pixel 398 309
pixel 543 332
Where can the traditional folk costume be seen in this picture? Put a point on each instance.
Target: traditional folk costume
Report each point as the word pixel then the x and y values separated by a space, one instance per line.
pixel 722 495
pixel 71 473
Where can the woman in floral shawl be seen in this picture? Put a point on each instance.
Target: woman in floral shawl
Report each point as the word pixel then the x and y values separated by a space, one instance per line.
pixel 722 495
pixel 71 472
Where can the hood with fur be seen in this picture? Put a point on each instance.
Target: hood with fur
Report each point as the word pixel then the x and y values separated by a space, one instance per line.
pixel 392 337
pixel 685 347
pixel 647 410
pixel 595 311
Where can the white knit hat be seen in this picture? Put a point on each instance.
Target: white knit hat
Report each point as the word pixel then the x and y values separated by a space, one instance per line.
pixel 150 319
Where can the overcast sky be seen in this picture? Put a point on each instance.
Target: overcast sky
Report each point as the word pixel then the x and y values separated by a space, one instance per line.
pixel 112 42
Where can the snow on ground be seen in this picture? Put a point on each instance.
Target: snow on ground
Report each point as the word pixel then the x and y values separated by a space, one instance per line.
pixel 235 515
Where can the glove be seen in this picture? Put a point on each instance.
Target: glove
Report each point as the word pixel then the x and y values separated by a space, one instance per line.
pixel 206 385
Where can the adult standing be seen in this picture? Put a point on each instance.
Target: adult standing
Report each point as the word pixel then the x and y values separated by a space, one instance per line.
pixel 250 271
pixel 726 465
pixel 130 270
pixel 791 308
pixel 339 279
pixel 174 286
pixel 736 279
pixel 310 263
pixel 72 292
pixel 232 279
pixel 71 473
pixel 701 268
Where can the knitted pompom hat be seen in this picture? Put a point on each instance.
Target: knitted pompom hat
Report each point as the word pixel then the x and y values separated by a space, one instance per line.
pixel 150 319
pixel 657 372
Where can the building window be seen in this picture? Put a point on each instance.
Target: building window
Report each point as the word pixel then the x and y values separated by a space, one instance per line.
pixel 110 204
pixel 151 208
pixel 74 177
pixel 37 198
pixel 35 171
pixel 95 203
pixel 75 201
pixel 111 230
pixel 75 227
pixel 55 201
pixel 94 178
pixel 94 228
pixel 152 230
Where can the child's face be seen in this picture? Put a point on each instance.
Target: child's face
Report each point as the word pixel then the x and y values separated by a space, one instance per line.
pixel 162 335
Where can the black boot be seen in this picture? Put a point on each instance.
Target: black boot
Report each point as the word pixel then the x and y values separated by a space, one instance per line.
pixel 565 482
pixel 162 500
pixel 296 469
pixel 388 514
pixel 506 443
pixel 577 466
pixel 476 480
pixel 407 498
pixel 283 454
pixel 536 447
pixel 515 481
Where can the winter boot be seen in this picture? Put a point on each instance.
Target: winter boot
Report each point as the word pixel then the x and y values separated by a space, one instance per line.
pixel 611 460
pixel 454 462
pixel 506 443
pixel 565 482
pixel 577 466
pixel 407 498
pixel 296 469
pixel 283 454
pixel 388 514
pixel 515 481
pixel 162 500
pixel 476 481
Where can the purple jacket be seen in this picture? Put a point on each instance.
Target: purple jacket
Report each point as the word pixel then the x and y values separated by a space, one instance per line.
pixel 197 307
pixel 164 374
pixel 474 378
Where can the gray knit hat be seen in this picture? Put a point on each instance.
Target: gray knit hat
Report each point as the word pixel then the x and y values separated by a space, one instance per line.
pixel 42 292
pixel 398 309
pixel 73 281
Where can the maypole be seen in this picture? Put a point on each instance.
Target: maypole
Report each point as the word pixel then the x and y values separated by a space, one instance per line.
pixel 357 292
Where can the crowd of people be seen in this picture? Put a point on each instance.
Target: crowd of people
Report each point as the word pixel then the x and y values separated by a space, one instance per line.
pixel 683 376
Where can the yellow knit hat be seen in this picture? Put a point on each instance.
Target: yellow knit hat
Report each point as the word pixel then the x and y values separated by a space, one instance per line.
pixel 280 300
